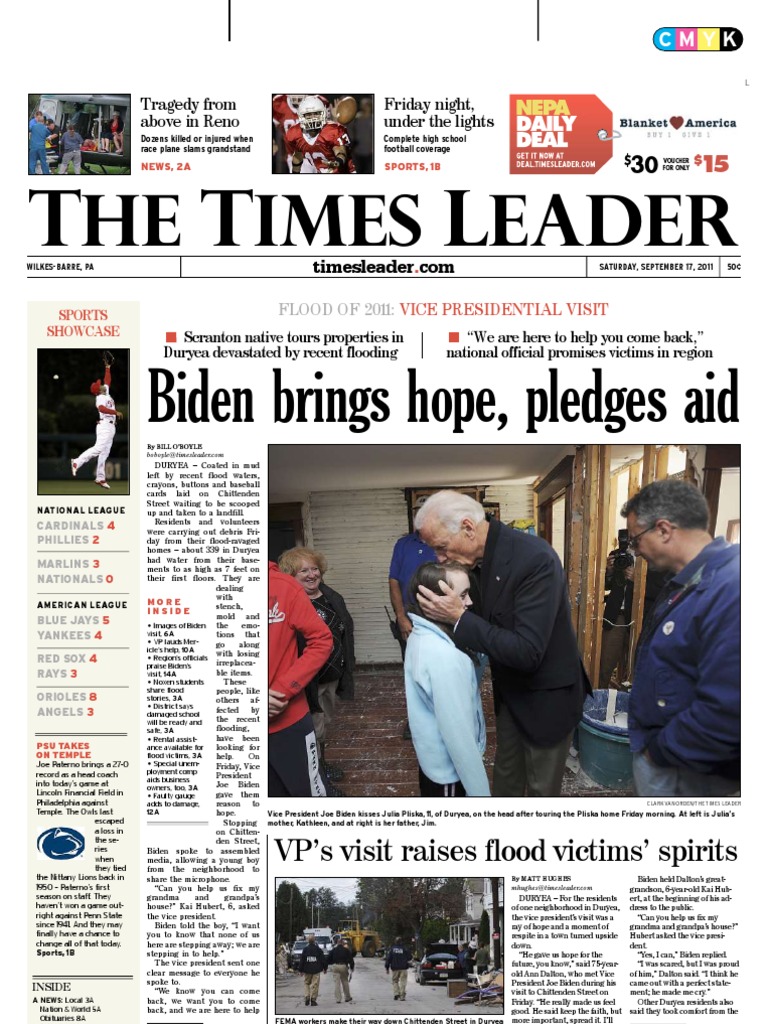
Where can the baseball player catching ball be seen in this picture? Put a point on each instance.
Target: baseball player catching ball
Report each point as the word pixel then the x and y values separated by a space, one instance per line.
pixel 105 428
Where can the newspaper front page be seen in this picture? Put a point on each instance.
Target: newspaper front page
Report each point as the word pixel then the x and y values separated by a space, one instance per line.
pixel 263 773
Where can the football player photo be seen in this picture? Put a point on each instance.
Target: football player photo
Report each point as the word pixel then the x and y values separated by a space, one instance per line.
pixel 312 134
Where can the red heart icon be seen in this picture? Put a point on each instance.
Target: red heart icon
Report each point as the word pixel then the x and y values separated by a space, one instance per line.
pixel 676 122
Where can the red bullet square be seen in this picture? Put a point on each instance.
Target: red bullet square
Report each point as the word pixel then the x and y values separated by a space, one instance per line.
pixel 453 336
pixel 170 337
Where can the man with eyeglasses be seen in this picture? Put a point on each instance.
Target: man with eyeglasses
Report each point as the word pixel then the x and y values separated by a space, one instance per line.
pixel 684 712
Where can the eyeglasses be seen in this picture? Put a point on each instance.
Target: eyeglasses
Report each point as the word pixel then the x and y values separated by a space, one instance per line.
pixel 632 543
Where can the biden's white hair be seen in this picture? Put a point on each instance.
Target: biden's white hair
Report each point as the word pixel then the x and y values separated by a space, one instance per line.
pixel 449 508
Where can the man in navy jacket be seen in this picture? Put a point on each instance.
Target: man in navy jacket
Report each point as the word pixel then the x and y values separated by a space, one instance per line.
pixel 684 712
pixel 398 961
pixel 312 964
pixel 524 627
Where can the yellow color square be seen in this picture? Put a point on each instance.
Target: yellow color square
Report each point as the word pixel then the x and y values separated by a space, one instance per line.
pixel 709 39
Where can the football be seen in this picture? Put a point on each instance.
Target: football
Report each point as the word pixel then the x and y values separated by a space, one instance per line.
pixel 345 109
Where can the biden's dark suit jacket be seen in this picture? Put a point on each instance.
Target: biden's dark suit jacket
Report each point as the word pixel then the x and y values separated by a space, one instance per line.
pixel 526 631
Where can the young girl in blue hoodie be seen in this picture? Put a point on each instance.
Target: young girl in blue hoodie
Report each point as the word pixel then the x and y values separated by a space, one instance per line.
pixel 442 687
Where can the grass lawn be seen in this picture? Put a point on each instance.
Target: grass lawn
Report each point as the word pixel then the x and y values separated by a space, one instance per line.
pixel 82 486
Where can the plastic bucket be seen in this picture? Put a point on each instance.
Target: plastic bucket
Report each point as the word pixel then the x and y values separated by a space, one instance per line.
pixel 604 744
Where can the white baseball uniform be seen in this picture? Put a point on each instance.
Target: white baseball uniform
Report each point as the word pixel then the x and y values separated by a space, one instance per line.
pixel 105 435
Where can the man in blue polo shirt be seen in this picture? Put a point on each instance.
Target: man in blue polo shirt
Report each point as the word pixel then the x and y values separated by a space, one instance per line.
pixel 409 553
pixel 38 133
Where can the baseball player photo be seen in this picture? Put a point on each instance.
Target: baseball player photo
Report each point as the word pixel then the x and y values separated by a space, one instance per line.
pixel 82 391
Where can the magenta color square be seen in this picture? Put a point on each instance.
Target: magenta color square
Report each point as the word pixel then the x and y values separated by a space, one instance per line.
pixel 687 39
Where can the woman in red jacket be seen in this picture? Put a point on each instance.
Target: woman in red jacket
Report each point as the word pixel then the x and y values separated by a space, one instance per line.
pixel 294 754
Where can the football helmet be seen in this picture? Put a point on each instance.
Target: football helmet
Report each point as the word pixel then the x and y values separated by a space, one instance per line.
pixel 312 114
pixel 294 99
